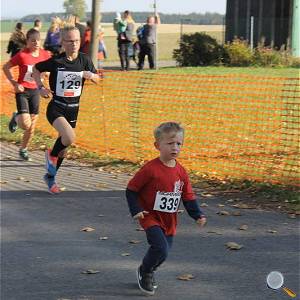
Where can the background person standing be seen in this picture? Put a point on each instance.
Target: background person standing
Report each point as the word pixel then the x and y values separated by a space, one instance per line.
pixel 17 40
pixel 125 41
pixel 148 41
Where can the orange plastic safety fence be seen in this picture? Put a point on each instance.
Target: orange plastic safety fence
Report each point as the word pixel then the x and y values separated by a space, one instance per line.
pixel 237 126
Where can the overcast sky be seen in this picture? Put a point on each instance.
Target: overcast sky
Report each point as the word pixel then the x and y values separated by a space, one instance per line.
pixel 20 8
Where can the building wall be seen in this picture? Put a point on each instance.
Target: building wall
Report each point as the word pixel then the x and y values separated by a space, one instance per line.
pixel 272 21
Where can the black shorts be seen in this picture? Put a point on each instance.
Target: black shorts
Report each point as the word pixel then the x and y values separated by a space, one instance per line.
pixel 28 101
pixel 55 110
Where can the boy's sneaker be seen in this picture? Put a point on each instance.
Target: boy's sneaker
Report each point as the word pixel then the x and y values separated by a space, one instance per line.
pixel 51 162
pixel 145 281
pixel 24 154
pixel 52 186
pixel 12 125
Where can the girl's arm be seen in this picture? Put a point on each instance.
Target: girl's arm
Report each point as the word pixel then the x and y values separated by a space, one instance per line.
pixel 6 69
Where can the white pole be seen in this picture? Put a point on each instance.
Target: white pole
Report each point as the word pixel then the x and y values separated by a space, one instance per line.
pixel 251 32
pixel 156 48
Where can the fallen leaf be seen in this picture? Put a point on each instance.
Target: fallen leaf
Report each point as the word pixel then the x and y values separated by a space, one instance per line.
pixel 221 205
pixel 185 277
pixel 243 227
pixel 223 213
pixel 243 206
pixel 207 195
pixel 203 205
pixel 43 147
pixel 230 200
pixel 20 178
pixel 90 272
pixel 100 169
pixel 3 182
pixel 8 157
pixel 63 188
pixel 214 231
pixel 27 180
pixel 103 238
pixel 233 246
pixel 271 231
pixel 134 242
pixel 236 213
pixel 87 229
pixel 125 254
pixel 101 185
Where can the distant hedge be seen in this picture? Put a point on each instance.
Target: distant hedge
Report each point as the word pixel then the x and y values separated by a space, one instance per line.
pixel 140 17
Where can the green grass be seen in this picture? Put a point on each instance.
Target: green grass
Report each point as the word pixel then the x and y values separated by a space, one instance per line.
pixel 256 71
pixel 9 26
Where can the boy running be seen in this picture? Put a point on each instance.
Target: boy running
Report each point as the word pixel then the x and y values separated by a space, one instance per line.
pixel 153 197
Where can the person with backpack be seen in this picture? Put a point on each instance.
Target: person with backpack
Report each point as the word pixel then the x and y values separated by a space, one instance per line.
pixel 148 41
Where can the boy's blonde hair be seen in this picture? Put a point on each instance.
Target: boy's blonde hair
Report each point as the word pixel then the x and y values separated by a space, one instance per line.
pixel 167 127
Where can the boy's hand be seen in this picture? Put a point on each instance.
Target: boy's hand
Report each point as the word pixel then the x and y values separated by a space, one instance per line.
pixel 141 215
pixel 201 222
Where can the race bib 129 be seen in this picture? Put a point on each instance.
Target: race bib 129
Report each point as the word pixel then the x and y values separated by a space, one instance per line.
pixel 167 201
pixel 69 84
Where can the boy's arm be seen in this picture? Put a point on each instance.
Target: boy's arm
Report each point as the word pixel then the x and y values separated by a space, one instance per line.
pixel 132 200
pixel 193 209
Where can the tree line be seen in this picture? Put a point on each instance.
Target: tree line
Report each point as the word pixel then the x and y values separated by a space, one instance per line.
pixel 140 17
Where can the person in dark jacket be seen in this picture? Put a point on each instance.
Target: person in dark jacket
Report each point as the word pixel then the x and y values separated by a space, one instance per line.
pixel 52 41
pixel 125 41
pixel 17 40
pixel 148 41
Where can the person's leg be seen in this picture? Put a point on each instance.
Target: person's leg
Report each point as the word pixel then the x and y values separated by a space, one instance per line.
pixel 142 57
pixel 156 255
pixel 122 54
pixel 158 250
pixel 33 101
pixel 127 58
pixel 66 135
pixel 151 55
pixel 29 131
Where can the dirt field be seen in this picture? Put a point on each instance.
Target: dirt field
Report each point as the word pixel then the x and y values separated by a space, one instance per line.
pixel 162 29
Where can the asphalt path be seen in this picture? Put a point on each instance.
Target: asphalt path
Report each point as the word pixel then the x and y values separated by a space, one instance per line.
pixel 45 253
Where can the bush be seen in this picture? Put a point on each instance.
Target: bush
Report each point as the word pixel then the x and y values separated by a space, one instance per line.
pixel 199 49
pixel 265 56
pixel 239 53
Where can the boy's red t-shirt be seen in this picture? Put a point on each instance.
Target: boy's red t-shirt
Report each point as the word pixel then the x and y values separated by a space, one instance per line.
pixel 156 177
pixel 26 61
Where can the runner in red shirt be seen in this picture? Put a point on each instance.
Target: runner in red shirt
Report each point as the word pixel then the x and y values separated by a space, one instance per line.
pixel 154 195
pixel 27 94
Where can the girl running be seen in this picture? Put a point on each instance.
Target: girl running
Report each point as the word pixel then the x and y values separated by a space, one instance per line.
pixel 27 94
pixel 68 72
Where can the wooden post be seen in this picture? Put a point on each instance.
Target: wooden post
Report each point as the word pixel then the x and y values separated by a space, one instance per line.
pixel 93 51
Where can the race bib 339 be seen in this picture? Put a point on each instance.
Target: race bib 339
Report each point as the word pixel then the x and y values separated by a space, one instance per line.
pixel 167 201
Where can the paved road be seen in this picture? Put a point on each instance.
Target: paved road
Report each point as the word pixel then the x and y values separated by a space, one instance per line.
pixel 44 251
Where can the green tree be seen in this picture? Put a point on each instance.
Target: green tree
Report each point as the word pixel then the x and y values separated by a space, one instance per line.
pixel 75 7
